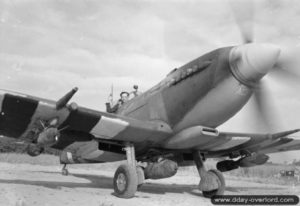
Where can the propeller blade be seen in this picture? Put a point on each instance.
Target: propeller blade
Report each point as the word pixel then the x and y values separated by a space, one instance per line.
pixel 285 76
pixel 243 12
pixel 288 63
pixel 264 110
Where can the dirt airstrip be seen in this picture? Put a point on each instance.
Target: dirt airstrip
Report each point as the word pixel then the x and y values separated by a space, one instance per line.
pixel 41 185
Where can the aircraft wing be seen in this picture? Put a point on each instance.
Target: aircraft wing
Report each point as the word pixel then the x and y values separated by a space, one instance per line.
pixel 28 119
pixel 110 128
pixel 217 144
pixel 293 144
pixel 259 143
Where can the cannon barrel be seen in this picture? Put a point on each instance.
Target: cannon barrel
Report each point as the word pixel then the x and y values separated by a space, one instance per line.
pixel 66 98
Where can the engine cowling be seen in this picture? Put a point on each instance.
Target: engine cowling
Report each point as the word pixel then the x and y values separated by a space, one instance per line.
pixel 163 169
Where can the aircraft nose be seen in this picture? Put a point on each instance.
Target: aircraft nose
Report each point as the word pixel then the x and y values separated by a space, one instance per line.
pixel 250 62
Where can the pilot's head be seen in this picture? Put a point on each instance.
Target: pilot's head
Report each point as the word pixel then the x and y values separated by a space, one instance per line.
pixel 124 96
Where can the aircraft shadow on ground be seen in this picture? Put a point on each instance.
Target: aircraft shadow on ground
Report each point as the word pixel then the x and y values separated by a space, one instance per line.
pixel 152 188
pixel 96 181
pixel 105 182
pixel 243 189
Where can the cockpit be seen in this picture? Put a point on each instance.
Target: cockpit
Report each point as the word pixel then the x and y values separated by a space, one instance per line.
pixel 113 107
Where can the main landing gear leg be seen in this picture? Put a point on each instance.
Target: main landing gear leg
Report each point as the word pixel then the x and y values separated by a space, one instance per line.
pixel 127 177
pixel 212 182
pixel 64 170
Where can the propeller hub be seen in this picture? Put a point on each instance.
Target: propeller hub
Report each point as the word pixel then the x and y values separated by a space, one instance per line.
pixel 250 62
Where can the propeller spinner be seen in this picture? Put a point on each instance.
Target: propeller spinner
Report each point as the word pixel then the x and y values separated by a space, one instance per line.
pixel 250 62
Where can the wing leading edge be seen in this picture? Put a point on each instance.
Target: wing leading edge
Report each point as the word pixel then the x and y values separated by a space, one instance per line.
pixel 216 143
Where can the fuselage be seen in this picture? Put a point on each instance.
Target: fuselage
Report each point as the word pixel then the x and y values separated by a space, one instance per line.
pixel 203 92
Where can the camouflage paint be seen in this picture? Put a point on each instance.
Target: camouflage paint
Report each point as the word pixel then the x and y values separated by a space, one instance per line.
pixel 202 92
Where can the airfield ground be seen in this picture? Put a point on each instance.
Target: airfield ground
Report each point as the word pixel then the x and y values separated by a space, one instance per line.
pixel 36 183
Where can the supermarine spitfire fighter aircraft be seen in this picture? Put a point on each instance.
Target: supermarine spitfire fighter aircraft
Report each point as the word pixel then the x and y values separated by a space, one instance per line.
pixel 172 124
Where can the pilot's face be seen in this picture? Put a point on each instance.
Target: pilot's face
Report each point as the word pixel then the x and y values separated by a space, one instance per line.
pixel 124 97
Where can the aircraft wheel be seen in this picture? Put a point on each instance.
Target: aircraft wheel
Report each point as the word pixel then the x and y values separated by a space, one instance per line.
pixel 64 172
pixel 33 150
pixel 125 181
pixel 221 181
pixel 140 175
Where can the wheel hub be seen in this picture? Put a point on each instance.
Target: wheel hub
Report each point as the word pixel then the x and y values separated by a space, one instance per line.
pixel 121 182
pixel 209 182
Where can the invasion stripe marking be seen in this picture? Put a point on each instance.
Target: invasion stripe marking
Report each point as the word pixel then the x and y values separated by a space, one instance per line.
pixel 109 127
pixel 16 114
pixel 2 95
pixel 45 111
pixel 70 157
pixel 93 155
pixel 81 120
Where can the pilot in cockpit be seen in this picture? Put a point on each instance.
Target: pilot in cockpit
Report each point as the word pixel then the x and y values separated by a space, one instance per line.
pixel 124 97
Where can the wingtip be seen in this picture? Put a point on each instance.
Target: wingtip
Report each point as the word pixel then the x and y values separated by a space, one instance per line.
pixel 284 134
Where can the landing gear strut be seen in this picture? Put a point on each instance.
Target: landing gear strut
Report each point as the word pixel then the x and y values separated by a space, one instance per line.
pixel 64 170
pixel 212 182
pixel 128 177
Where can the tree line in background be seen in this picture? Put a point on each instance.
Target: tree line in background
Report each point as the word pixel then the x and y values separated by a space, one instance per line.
pixel 9 145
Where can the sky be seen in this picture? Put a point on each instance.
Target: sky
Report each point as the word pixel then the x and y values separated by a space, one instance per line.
pixel 48 47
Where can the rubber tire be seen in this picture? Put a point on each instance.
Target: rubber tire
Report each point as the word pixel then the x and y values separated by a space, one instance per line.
pixel 220 190
pixel 34 151
pixel 141 176
pixel 64 172
pixel 131 181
